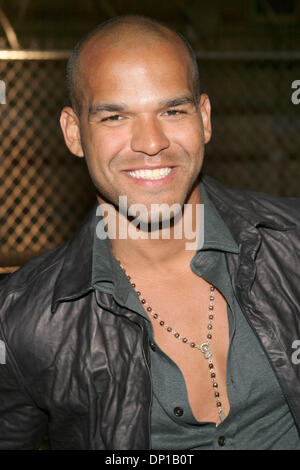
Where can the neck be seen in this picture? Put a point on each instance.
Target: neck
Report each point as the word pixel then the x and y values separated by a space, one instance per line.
pixel 162 249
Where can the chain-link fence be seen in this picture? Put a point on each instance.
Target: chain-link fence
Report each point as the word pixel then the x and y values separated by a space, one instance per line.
pixel 45 192
pixel 256 139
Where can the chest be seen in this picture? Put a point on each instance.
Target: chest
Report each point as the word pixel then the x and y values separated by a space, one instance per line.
pixel 183 307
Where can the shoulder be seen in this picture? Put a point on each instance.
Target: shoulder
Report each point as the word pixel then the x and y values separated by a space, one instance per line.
pixel 258 208
pixel 25 299
pixel 39 270
pixel 25 310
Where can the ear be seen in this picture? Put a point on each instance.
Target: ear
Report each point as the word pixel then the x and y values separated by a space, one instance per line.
pixel 205 110
pixel 69 123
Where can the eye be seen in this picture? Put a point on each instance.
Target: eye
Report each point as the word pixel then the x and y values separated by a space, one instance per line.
pixel 114 117
pixel 175 112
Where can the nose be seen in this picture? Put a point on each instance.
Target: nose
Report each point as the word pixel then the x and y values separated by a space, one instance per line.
pixel 148 136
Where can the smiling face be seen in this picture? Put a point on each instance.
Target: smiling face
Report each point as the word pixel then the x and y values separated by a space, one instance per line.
pixel 140 130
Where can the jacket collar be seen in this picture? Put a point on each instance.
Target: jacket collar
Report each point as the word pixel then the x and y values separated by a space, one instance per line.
pixel 75 277
pixel 240 215
pixel 246 209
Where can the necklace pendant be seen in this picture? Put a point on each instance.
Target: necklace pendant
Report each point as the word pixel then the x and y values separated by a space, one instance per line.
pixel 204 348
pixel 222 416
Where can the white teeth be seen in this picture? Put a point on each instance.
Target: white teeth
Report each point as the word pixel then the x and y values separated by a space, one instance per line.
pixel 156 174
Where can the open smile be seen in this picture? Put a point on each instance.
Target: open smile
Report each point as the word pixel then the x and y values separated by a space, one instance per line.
pixel 156 174
pixel 152 177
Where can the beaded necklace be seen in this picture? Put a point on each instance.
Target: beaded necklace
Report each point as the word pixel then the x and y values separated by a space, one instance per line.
pixel 203 347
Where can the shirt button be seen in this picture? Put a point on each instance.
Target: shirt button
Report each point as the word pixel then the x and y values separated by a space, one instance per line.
pixel 221 441
pixel 152 346
pixel 178 411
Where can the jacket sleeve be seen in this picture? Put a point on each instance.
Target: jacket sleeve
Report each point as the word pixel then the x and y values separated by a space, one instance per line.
pixel 22 423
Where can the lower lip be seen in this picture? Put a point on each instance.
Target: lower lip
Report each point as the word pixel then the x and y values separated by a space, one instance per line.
pixel 154 183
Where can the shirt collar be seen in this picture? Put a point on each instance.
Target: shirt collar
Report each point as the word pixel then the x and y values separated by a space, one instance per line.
pixel 106 270
pixel 216 233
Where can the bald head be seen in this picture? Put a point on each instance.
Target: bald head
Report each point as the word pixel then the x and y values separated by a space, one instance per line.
pixel 129 30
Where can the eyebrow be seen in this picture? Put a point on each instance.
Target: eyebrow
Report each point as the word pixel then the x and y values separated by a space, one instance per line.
pixel 101 107
pixel 118 108
pixel 177 101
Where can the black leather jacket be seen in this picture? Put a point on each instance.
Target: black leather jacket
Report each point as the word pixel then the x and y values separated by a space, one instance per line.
pixel 77 364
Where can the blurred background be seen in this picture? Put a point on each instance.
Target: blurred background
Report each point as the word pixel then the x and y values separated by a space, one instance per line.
pixel 249 57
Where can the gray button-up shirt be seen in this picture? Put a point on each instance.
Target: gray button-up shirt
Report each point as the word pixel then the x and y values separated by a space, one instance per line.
pixel 259 417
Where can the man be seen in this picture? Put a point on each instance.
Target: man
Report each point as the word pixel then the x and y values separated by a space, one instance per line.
pixel 136 342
